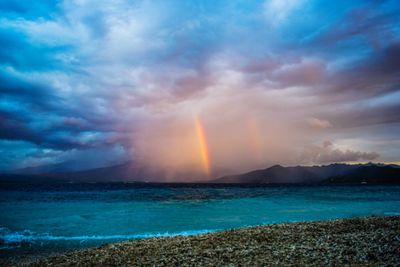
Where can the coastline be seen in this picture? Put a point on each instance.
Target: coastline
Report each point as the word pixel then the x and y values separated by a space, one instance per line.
pixel 356 241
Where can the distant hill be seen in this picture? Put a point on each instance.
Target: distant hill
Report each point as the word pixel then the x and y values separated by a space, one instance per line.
pixel 68 166
pixel 334 173
pixel 126 172
pixel 368 174
pixel 274 174
pixel 130 172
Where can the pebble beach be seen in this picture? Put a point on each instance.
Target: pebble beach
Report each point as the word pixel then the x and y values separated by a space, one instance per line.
pixel 371 241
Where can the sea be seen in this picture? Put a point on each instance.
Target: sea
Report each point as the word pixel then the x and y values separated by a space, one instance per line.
pixel 46 219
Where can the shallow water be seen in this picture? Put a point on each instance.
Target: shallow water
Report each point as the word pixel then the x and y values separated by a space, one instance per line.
pixel 38 219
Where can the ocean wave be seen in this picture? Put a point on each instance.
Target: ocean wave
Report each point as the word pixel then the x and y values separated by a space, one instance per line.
pixel 392 213
pixel 11 239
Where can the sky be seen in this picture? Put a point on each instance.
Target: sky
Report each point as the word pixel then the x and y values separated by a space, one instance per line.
pixel 211 87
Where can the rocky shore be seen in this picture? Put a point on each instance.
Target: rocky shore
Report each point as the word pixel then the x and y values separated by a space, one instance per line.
pixel 372 241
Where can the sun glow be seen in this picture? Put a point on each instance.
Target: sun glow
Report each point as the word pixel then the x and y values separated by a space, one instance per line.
pixel 203 146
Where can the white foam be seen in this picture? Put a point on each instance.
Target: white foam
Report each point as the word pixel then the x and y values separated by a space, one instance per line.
pixel 392 213
pixel 9 237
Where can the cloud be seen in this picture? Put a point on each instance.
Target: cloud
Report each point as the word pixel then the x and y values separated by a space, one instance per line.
pixel 16 9
pixel 264 78
pixel 368 115
pixel 318 123
pixel 366 23
pixel 20 129
pixel 279 11
pixel 306 72
pixel 328 153
pixel 74 159
pixel 375 75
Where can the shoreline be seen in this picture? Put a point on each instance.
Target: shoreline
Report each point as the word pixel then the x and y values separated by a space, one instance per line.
pixel 359 241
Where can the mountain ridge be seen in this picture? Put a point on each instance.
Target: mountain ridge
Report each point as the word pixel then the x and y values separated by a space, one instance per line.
pixel 336 173
pixel 333 173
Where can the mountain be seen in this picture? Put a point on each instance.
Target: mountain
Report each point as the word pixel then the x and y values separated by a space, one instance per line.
pixel 68 166
pixel 274 174
pixel 131 172
pixel 329 174
pixel 368 174
pixel 126 172
pixel 62 173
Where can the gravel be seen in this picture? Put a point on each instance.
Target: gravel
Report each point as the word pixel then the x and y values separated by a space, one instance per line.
pixel 372 241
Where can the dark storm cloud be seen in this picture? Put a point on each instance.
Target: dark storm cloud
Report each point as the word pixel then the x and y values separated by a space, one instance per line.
pixel 376 75
pixel 14 127
pixel 369 23
pixel 40 116
pixel 31 93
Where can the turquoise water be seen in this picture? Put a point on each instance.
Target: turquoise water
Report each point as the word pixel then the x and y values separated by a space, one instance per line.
pixel 54 218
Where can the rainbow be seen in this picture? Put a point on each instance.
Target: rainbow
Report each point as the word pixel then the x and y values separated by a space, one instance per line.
pixel 255 139
pixel 203 146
